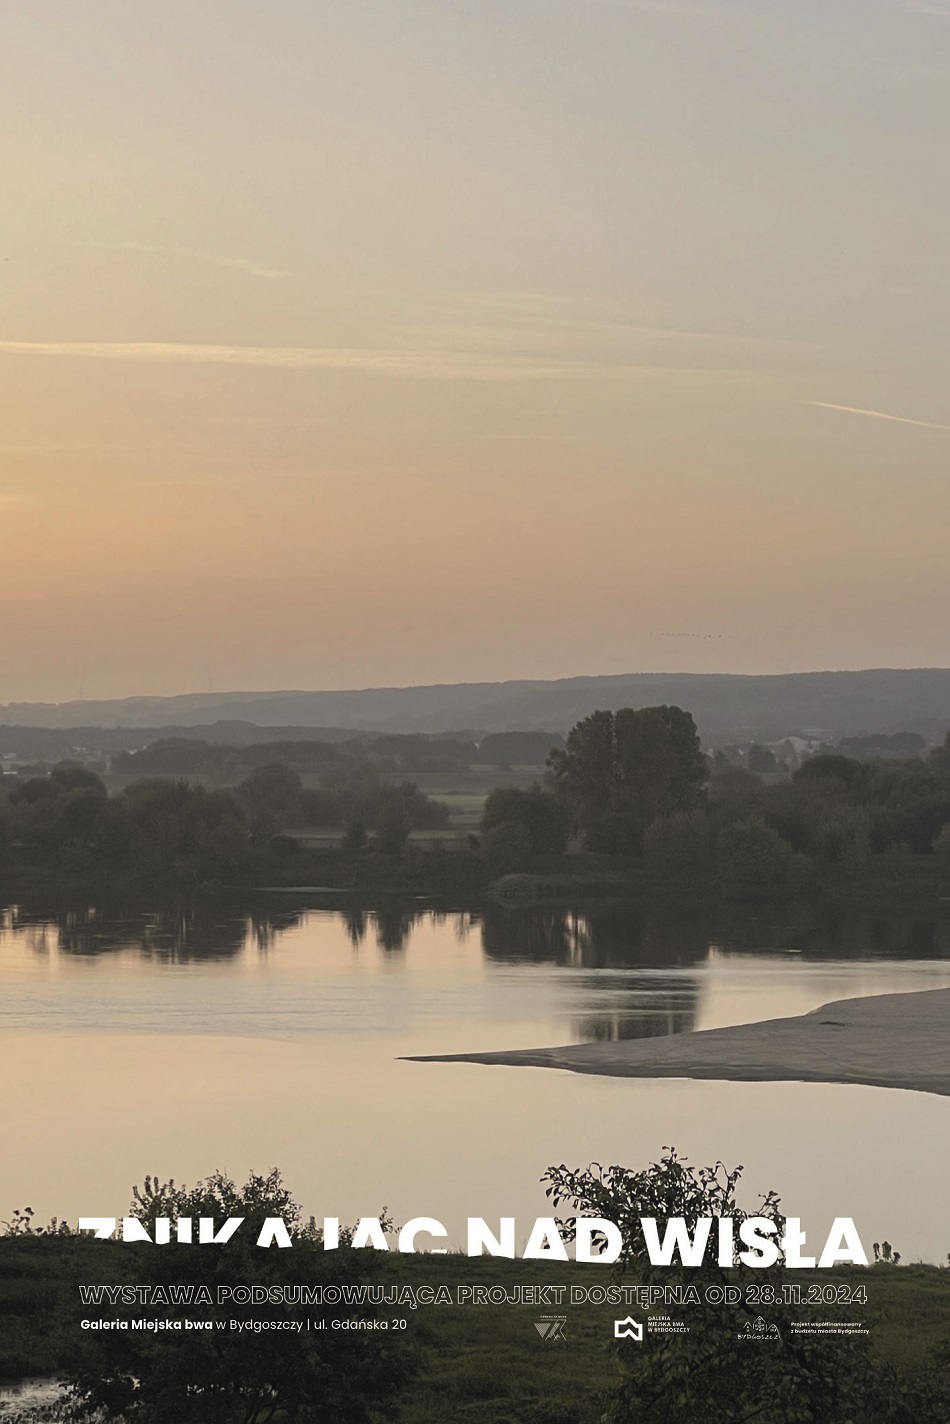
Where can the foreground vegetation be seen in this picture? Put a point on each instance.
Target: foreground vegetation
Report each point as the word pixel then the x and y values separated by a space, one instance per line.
pixel 488 1363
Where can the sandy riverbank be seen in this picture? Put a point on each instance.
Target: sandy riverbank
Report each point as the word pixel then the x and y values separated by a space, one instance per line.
pixel 884 1041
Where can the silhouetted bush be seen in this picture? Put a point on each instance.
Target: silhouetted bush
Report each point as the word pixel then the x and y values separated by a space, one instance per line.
pixel 752 853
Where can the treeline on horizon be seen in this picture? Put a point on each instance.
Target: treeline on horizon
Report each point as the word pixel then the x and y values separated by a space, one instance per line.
pixel 632 787
pixel 225 759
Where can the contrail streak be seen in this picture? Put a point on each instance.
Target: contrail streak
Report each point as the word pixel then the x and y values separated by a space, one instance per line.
pixel 877 415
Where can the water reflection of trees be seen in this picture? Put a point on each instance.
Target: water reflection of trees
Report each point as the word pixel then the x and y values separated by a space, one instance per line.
pixel 664 935
pixel 652 1008
pixel 615 934
pixel 603 937
pixel 392 924
pixel 189 931
pixel 179 932
pixel 607 935
pixel 838 930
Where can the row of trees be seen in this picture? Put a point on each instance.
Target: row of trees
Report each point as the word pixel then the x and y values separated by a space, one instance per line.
pixel 834 812
pixel 166 826
pixel 156 825
pixel 630 783
pixel 351 796
pixel 637 783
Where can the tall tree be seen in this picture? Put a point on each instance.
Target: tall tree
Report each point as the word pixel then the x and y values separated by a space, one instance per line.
pixel 621 770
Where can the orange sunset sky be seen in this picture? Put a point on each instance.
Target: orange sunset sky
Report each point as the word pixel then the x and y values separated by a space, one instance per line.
pixel 363 342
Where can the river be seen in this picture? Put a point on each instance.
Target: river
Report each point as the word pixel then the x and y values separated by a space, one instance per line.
pixel 183 1039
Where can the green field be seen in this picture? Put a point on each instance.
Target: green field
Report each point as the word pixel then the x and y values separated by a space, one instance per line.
pixel 465 792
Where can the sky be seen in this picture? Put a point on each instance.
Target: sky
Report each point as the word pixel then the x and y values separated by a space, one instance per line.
pixel 375 342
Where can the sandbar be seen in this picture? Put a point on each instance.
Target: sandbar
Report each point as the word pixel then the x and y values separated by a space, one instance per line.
pixel 882 1041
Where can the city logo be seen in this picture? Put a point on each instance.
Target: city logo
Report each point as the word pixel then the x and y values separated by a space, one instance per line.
pixel 628 1329
pixel 758 1329
pixel 551 1327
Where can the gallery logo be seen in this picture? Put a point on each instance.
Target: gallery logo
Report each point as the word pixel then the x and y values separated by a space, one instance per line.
pixel 628 1329
pixel 551 1327
pixel 758 1329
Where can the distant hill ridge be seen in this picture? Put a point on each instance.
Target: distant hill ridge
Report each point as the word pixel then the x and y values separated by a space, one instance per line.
pixel 727 706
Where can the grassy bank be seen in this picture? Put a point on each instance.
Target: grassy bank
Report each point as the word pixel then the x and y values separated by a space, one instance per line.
pixel 433 865
pixel 485 1364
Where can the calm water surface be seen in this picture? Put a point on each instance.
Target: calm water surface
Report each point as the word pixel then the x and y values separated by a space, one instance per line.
pixel 183 1040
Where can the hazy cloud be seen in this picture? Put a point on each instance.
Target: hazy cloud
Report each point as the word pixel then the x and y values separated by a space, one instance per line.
pixel 711 11
pixel 510 317
pixel 929 7
pixel 214 259
pixel 432 365
pixel 877 415
pixel 576 331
